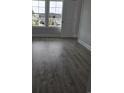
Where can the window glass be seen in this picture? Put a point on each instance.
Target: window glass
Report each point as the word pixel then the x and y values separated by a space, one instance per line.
pixel 42 4
pixel 35 9
pixel 52 10
pixel 59 10
pixel 41 10
pixel 58 4
pixel 34 3
pixel 52 4
pixel 55 14
pixel 38 13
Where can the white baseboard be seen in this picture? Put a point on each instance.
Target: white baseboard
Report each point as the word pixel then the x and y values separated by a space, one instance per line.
pixel 84 44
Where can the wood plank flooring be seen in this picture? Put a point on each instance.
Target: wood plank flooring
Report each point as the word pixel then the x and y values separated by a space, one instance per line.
pixel 59 66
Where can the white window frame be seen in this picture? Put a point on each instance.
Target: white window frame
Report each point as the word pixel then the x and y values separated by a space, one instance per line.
pixel 47 9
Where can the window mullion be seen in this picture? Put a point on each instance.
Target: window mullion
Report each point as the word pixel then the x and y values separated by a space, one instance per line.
pixel 47 12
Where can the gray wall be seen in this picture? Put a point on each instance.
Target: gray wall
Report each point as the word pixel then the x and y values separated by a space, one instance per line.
pixel 84 35
pixel 71 13
pixel 89 83
pixel 71 16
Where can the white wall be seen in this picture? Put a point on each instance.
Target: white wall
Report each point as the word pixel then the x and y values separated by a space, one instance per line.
pixel 84 36
pixel 71 13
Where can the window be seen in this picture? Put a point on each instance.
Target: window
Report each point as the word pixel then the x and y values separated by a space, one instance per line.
pixel 55 13
pixel 42 17
pixel 56 7
pixel 38 13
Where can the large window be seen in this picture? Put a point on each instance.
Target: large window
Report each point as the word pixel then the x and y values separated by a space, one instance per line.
pixel 47 13
pixel 38 13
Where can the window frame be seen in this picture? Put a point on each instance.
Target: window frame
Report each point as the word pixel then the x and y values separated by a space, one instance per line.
pixel 47 10
pixel 38 7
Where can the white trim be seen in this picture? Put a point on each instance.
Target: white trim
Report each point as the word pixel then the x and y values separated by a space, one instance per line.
pixel 84 44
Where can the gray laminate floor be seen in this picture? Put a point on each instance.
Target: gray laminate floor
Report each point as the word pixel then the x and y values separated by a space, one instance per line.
pixel 59 66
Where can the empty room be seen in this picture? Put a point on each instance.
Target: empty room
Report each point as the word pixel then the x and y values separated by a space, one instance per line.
pixel 61 46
